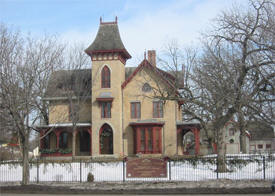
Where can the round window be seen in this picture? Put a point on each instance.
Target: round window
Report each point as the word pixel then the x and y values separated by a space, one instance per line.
pixel 146 87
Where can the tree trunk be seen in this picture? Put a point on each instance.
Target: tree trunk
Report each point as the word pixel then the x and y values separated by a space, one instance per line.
pixel 242 125
pixel 25 152
pixel 74 143
pixel 243 142
pixel 221 154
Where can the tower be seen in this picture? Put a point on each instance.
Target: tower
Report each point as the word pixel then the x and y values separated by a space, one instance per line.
pixel 108 56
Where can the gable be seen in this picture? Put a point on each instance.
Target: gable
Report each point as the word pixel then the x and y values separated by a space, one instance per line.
pixel 156 75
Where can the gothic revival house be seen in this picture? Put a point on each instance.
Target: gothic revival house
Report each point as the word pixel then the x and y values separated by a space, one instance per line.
pixel 113 110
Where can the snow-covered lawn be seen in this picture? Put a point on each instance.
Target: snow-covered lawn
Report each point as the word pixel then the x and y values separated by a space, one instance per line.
pixel 113 171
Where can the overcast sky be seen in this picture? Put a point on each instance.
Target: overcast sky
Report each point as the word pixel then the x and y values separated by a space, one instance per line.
pixel 143 24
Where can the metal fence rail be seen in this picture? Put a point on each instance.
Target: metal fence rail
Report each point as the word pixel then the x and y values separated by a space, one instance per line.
pixel 178 169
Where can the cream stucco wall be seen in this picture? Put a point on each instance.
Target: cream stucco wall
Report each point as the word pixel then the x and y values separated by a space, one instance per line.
pixel 117 71
pixel 132 93
pixel 59 112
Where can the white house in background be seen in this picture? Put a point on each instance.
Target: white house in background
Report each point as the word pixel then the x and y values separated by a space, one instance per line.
pixel 262 138
pixel 232 140
pixel 36 152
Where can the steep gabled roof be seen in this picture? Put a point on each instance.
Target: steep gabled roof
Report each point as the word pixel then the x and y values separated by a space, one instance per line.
pixel 62 81
pixel 145 63
pixel 259 130
pixel 108 40
pixel 75 82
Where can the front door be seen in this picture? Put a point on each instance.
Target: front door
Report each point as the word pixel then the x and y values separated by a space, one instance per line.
pixel 106 140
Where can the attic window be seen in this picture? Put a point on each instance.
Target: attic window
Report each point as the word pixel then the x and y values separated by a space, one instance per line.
pixel 146 87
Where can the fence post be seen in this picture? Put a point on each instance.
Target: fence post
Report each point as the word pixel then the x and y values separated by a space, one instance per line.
pixel 123 168
pixel 169 162
pixel 217 169
pixel 37 171
pixel 80 168
pixel 264 166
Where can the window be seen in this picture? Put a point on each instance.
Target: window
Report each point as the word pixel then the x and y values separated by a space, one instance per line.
pixel 260 146
pixel 105 78
pixel 148 140
pixel 142 140
pixel 231 132
pixel 157 109
pixel 63 140
pixel 268 146
pixel 106 109
pixel 135 110
pixel 146 87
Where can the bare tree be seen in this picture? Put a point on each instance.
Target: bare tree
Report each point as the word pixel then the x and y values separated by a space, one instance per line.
pixel 232 77
pixel 72 86
pixel 24 65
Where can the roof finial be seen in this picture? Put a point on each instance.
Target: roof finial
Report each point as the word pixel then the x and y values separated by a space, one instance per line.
pixel 144 54
pixel 100 20
pixel 116 19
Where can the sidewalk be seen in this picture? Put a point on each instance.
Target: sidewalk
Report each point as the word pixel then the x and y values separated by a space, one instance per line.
pixel 210 186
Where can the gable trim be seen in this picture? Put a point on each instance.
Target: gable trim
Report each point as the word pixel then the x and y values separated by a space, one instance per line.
pixel 148 65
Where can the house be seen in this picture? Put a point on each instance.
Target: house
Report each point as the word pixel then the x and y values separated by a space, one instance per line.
pixel 262 137
pixel 118 113
pixel 232 139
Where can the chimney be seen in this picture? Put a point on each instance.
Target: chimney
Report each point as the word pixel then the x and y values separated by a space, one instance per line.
pixel 152 57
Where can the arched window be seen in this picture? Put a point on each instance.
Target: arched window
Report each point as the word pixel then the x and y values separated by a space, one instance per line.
pixel 105 77
pixel 146 87
pixel 63 140
pixel 46 141
pixel 49 141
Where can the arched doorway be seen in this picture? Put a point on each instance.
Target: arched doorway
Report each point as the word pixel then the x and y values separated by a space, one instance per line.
pixel 106 140
pixel 188 142
pixel 49 141
pixel 65 140
pixel 188 139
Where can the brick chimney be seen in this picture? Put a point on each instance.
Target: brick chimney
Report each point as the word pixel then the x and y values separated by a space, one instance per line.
pixel 152 57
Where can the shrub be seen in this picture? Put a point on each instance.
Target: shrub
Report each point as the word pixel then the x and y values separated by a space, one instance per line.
pixel 90 177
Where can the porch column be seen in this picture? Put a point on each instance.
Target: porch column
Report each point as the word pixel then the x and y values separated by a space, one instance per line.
pixel 41 140
pixel 179 142
pixel 57 138
pixel 137 139
pixel 197 140
pixel 73 146
pixel 160 139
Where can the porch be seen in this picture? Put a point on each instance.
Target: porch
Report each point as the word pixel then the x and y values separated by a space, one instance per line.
pixel 66 140
pixel 188 138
